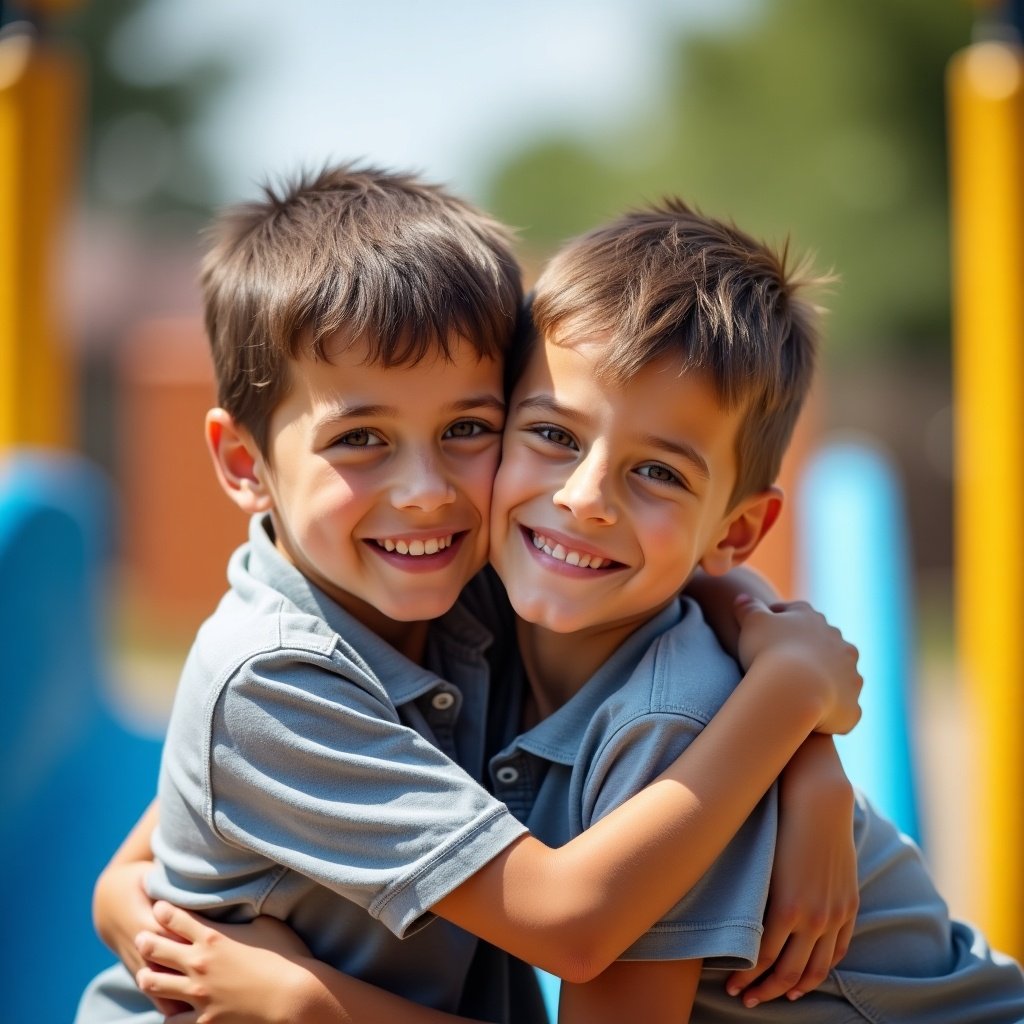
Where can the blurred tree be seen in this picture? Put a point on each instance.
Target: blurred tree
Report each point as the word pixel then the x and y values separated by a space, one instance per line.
pixel 821 120
pixel 142 159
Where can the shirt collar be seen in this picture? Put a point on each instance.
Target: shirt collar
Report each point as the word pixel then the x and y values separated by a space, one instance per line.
pixel 557 738
pixel 404 680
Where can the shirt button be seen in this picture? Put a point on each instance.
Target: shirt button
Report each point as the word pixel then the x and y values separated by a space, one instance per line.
pixel 442 700
pixel 507 774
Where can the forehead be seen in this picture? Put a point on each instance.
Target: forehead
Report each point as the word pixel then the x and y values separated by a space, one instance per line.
pixel 662 401
pixel 350 375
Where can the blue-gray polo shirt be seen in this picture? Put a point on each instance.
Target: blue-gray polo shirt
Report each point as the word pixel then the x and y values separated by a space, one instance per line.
pixel 908 963
pixel 308 773
pixel 630 721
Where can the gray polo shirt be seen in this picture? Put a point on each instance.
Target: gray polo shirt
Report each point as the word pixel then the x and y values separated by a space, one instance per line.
pixel 631 720
pixel 308 774
pixel 908 962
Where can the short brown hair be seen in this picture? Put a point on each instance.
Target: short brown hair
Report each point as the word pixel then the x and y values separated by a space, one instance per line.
pixel 371 253
pixel 668 280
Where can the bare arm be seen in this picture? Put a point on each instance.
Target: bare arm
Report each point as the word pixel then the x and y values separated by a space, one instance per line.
pixel 573 910
pixel 120 906
pixel 656 992
pixel 717 595
pixel 814 893
pixel 261 973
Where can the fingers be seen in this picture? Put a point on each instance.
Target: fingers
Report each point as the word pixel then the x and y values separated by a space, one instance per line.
pixel 156 949
pixel 745 604
pixel 165 985
pixel 785 974
pixel 772 942
pixel 179 921
pixel 843 937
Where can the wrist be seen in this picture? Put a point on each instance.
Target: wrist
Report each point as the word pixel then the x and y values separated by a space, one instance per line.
pixel 785 675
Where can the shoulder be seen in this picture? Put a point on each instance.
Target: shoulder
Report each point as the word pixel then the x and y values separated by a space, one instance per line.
pixel 259 648
pixel 684 672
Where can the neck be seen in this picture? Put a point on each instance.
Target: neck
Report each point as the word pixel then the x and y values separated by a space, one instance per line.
pixel 557 665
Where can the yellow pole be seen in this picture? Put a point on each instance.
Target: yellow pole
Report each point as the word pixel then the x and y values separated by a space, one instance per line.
pixel 39 138
pixel 986 119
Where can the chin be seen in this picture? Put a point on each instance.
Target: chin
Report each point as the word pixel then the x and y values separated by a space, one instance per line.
pixel 539 612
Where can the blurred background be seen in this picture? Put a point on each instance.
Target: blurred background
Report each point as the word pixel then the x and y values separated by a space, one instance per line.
pixel 821 122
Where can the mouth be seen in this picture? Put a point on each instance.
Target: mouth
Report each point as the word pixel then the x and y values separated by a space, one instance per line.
pixel 416 547
pixel 571 556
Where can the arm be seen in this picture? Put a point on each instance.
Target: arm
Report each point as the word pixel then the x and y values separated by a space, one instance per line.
pixel 814 894
pixel 120 906
pixel 261 973
pixel 573 910
pixel 717 595
pixel 654 991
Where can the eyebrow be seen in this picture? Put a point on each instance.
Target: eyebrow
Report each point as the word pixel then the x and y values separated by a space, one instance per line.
pixel 369 410
pixel 545 403
pixel 683 450
pixel 687 452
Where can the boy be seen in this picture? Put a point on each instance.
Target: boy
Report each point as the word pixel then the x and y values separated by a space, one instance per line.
pixel 670 357
pixel 357 324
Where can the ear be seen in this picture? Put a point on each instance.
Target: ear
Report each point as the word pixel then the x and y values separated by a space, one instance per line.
pixel 742 531
pixel 240 468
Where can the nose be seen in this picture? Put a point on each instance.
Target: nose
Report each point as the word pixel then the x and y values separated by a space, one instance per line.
pixel 587 491
pixel 421 483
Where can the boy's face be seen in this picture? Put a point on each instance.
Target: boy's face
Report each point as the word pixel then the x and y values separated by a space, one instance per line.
pixel 608 497
pixel 380 478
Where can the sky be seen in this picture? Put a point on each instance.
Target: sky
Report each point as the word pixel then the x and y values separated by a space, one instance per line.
pixel 443 87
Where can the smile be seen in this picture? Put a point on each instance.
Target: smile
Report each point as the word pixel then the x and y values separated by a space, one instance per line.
pixel 417 547
pixel 583 559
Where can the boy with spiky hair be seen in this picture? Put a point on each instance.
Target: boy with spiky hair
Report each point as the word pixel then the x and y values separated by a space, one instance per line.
pixel 669 358
pixel 357 321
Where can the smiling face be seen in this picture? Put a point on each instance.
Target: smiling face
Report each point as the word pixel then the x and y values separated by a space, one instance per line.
pixel 609 496
pixel 379 478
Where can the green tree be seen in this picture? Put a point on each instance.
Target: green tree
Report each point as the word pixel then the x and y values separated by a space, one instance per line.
pixel 824 121
pixel 141 159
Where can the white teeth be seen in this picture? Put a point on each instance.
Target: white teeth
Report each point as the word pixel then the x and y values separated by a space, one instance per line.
pixel 563 554
pixel 415 548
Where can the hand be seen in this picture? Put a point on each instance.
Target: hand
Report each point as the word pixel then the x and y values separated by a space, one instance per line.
pixel 121 909
pixel 227 974
pixel 814 894
pixel 803 650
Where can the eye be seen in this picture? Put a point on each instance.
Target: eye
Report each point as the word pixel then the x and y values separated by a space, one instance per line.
pixel 359 438
pixel 662 474
pixel 555 435
pixel 467 428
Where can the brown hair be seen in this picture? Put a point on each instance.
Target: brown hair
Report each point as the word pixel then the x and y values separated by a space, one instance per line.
pixel 370 253
pixel 668 280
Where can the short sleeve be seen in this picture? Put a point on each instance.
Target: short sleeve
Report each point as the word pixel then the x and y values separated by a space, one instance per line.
pixel 720 919
pixel 317 773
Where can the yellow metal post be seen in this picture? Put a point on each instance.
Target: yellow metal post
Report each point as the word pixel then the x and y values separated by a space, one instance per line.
pixel 39 97
pixel 986 118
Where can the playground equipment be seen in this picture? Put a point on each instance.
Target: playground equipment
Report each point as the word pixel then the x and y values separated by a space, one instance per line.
pixel 986 119
pixel 74 773
pixel 39 136
pixel 855 568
